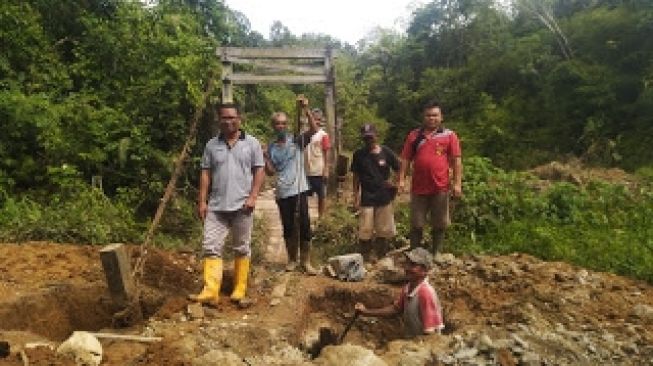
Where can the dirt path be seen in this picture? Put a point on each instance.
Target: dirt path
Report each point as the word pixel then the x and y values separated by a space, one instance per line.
pixel 266 209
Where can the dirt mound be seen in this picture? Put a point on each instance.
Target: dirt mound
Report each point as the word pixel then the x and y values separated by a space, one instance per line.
pixel 573 171
pixel 513 308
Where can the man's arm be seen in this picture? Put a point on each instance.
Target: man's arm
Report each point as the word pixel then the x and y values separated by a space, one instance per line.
pixel 269 166
pixel 387 311
pixel 257 182
pixel 457 176
pixel 356 191
pixel 325 171
pixel 313 127
pixel 404 161
pixel 205 182
pixel 403 168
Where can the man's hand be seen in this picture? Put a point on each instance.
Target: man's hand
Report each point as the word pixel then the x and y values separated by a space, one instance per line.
pixel 302 101
pixel 355 202
pixel 457 191
pixel 202 210
pixel 401 185
pixel 249 204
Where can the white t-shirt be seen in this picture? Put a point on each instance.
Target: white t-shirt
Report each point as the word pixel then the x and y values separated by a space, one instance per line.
pixel 315 153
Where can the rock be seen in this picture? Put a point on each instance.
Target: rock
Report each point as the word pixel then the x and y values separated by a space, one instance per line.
pixel 466 353
pixel 353 355
pixel 388 272
pixel 530 359
pixel 445 259
pixel 447 359
pixel 275 302
pixel 522 343
pixel 414 355
pixel 246 302
pixel 219 358
pixel 608 337
pixel 83 347
pixel 4 349
pixel 630 349
pixel 503 343
pixel 279 290
pixel 348 267
pixel 581 276
pixel 484 343
pixel 643 312
pixel 195 311
pixel 185 346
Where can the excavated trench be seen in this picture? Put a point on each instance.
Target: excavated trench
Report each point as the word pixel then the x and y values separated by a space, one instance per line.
pixel 55 309
pixel 328 315
pixel 56 312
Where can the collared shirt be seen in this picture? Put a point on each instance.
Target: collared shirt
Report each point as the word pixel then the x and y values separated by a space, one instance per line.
pixel 232 170
pixel 421 310
pixel 431 160
pixel 288 161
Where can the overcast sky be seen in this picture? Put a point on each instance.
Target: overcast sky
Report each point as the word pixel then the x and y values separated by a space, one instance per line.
pixel 346 20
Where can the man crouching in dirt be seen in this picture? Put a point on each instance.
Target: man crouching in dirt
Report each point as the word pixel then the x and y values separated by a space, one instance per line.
pixel 232 165
pixel 284 157
pixel 418 302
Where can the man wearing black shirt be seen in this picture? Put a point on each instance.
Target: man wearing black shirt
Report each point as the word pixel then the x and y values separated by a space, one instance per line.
pixel 373 193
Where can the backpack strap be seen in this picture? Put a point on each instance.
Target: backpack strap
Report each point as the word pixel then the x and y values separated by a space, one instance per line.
pixel 421 136
pixel 418 140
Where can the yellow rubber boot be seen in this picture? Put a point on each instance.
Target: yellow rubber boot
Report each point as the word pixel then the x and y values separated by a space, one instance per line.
pixel 212 281
pixel 241 272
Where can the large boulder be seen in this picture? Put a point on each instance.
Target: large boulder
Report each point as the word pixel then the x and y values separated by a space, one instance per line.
pixel 219 358
pixel 354 355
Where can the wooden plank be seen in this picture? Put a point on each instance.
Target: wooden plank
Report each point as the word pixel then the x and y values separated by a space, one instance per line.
pixel 127 337
pixel 288 53
pixel 240 79
pixel 302 69
pixel 117 270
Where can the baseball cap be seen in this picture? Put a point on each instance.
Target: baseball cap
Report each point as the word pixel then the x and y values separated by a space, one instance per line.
pixel 420 256
pixel 368 129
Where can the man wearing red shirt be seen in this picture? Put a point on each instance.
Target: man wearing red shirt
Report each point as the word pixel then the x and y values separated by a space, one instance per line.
pixel 432 150
pixel 418 303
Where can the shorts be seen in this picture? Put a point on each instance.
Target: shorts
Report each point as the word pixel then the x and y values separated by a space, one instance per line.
pixel 376 220
pixel 317 186
pixel 435 204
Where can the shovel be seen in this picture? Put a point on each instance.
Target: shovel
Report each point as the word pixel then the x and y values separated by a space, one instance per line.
pixel 328 337
pixel 347 328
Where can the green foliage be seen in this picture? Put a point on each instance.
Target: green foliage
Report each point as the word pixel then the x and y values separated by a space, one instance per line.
pixel 336 233
pixel 600 226
pixel 79 214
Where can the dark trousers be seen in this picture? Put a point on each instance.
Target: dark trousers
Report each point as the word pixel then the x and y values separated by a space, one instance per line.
pixel 287 209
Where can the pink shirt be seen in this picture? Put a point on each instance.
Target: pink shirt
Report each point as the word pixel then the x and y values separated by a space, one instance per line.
pixel 421 309
pixel 431 160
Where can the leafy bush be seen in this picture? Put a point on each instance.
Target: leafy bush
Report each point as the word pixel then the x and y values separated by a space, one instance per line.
pixel 87 216
pixel 601 226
